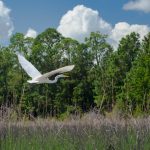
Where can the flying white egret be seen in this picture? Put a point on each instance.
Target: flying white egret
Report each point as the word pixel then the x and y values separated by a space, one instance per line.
pixel 39 78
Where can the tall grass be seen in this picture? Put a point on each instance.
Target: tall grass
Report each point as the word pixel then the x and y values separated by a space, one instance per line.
pixel 91 132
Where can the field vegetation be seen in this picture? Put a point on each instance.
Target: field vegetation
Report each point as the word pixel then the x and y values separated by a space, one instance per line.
pixel 92 131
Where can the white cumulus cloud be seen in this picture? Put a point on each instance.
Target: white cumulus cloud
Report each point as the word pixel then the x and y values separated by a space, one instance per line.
pixel 80 22
pixel 31 33
pixel 6 24
pixel 121 29
pixel 142 5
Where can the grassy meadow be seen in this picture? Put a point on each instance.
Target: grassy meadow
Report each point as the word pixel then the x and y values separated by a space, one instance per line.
pixel 91 132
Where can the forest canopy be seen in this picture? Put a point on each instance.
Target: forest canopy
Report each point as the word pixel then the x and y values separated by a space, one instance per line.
pixel 104 78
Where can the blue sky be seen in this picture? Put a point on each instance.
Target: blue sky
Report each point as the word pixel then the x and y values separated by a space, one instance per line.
pixel 41 14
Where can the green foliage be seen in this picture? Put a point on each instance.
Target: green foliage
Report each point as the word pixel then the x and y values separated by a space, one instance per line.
pixel 100 52
pixel 102 78
pixel 136 91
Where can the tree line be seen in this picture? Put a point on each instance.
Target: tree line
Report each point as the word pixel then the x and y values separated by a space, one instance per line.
pixel 103 78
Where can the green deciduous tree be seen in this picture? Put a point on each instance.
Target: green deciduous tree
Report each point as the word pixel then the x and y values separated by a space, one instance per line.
pixel 136 94
pixel 99 51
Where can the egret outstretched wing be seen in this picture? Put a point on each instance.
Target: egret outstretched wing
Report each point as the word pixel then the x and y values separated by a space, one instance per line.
pixel 57 71
pixel 28 67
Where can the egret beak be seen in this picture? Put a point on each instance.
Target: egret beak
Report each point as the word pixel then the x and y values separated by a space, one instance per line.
pixel 65 76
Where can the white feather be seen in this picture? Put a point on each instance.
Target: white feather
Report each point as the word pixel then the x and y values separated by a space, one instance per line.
pixel 28 67
pixel 37 77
